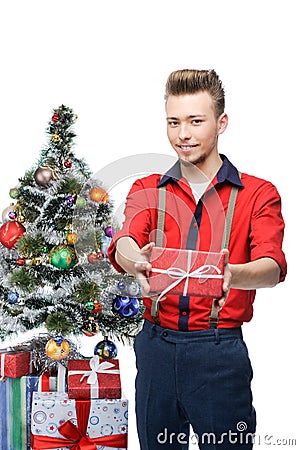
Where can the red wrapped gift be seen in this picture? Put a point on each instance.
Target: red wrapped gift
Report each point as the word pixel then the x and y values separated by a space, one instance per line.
pixel 186 272
pixel 15 363
pixel 94 378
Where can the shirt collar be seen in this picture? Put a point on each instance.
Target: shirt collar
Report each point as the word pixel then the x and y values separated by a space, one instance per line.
pixel 227 172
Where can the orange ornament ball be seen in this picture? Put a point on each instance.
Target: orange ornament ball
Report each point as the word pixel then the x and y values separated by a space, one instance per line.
pixel 57 348
pixel 72 238
pixel 99 195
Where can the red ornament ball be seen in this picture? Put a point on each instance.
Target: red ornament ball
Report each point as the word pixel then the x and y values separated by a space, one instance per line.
pixel 21 261
pixel 55 117
pixel 10 232
pixel 68 163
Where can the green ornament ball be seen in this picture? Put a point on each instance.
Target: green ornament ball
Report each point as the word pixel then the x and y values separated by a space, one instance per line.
pixel 81 202
pixel 89 306
pixel 63 257
pixel 14 193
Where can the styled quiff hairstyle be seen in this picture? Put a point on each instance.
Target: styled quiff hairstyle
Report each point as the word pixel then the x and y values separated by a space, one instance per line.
pixel 186 81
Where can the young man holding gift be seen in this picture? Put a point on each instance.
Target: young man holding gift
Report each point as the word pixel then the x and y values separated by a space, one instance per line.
pixel 193 365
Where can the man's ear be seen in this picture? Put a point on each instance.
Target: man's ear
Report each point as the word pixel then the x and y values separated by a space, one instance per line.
pixel 222 123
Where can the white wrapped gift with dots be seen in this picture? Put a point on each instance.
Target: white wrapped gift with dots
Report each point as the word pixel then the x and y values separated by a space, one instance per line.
pixel 56 419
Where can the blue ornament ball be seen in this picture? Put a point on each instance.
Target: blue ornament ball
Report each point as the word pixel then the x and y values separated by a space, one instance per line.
pixel 126 306
pixel 13 297
pixel 121 285
pixel 106 349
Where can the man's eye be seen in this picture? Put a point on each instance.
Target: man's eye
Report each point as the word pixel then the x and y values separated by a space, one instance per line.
pixel 197 121
pixel 172 123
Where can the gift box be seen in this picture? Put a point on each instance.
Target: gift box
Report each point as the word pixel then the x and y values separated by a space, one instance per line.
pixel 5 415
pixel 15 363
pixel 19 401
pixel 186 272
pixel 62 423
pixel 94 378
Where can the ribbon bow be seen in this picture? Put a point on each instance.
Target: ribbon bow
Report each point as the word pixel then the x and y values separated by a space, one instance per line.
pixel 97 367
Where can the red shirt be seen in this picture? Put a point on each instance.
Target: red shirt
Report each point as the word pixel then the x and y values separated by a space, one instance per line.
pixel 257 232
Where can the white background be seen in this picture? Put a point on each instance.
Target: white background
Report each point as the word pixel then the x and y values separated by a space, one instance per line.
pixel 109 62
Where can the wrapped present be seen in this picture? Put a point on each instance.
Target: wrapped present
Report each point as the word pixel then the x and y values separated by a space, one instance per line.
pixel 15 363
pixel 5 415
pixel 94 378
pixel 19 406
pixel 62 423
pixel 186 272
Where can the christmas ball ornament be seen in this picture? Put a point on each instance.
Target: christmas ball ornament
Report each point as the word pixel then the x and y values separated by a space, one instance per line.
pixel 133 289
pixel 63 257
pixel 106 349
pixel 21 261
pixel 81 202
pixel 55 137
pixel 92 258
pixel 21 218
pixel 72 238
pixel 126 306
pixel 100 256
pixel 90 327
pixel 55 117
pixel 70 200
pixel 13 297
pixel 43 175
pixel 57 348
pixel 10 232
pixel 99 195
pixel 14 193
pixel 90 305
pixel 68 163
pixel 109 231
pixel 121 285
pixel 97 308
pixel 12 215
pixel 6 213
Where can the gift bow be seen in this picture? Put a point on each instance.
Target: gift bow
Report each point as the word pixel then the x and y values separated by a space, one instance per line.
pixel 181 274
pixel 96 367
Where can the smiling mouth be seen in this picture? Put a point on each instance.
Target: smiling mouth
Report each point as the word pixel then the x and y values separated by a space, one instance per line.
pixel 186 148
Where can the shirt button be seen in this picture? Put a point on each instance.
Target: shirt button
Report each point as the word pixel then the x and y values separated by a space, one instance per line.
pixel 195 225
pixel 165 333
pixel 183 313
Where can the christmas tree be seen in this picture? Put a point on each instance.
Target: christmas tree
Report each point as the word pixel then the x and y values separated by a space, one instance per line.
pixel 56 278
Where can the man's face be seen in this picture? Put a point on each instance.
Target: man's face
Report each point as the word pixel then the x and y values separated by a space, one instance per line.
pixel 192 127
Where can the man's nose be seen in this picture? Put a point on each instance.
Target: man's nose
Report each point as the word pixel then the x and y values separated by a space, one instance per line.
pixel 184 132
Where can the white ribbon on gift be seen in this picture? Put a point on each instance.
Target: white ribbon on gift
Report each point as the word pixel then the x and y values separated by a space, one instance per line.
pixel 2 377
pixel 96 367
pixel 181 274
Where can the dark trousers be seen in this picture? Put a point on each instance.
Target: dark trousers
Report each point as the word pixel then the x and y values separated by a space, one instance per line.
pixel 199 378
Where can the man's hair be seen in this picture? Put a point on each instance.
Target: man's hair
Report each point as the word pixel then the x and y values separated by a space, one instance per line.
pixel 187 81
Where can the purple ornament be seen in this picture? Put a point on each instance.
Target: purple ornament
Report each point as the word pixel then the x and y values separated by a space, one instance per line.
pixel 12 215
pixel 109 231
pixel 70 200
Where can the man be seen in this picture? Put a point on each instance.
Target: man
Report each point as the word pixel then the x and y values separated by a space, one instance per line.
pixel 193 365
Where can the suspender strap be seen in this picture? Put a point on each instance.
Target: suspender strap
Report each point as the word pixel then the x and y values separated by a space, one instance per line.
pixel 214 314
pixel 161 211
pixel 161 216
